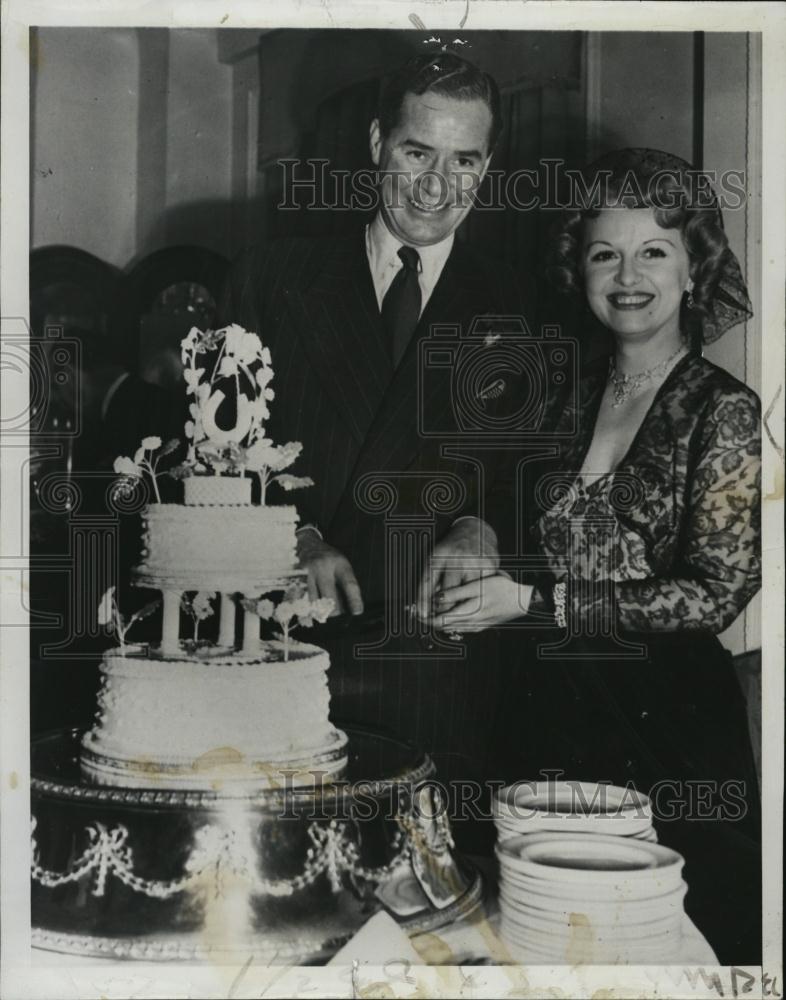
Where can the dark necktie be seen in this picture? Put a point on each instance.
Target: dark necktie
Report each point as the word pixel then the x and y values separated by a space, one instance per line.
pixel 401 305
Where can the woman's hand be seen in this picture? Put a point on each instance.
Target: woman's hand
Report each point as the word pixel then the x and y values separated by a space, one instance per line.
pixel 480 604
pixel 467 552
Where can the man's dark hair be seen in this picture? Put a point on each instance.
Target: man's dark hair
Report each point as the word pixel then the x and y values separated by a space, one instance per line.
pixel 444 73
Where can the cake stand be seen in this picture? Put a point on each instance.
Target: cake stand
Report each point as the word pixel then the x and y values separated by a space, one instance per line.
pixel 285 874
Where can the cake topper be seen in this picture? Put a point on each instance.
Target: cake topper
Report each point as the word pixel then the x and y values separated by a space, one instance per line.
pixel 231 392
pixel 239 375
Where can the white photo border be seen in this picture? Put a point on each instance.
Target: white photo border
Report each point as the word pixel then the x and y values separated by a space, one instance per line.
pixel 22 978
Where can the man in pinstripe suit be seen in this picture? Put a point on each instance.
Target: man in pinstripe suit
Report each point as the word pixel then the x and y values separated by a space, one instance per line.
pixel 350 395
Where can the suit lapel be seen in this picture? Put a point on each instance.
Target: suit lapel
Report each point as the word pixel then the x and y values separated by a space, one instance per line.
pixel 341 329
pixel 393 439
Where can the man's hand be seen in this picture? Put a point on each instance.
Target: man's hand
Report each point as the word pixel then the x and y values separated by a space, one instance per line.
pixel 329 573
pixel 468 552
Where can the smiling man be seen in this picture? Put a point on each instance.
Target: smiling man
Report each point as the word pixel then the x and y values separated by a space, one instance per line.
pixel 431 160
pixel 343 318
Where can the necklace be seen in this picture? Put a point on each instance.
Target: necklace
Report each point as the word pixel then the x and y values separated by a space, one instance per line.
pixel 625 385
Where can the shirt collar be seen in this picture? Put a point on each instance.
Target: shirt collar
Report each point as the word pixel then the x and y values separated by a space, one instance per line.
pixel 383 247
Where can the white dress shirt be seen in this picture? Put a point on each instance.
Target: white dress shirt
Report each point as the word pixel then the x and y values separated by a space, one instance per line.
pixel 382 249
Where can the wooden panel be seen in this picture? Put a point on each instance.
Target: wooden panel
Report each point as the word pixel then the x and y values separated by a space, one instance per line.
pixel 732 141
pixel 641 85
pixel 152 142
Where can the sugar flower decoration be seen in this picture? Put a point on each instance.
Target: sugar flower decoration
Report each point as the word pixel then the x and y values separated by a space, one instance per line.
pixel 110 618
pixel 199 607
pixel 143 461
pixel 296 609
pixel 264 458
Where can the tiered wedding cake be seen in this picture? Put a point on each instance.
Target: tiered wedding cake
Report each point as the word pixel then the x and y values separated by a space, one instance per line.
pixel 191 713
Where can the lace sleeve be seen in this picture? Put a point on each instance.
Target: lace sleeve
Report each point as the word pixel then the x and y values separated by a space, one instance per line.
pixel 718 569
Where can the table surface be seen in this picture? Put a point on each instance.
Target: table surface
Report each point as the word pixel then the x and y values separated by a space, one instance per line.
pixel 466 943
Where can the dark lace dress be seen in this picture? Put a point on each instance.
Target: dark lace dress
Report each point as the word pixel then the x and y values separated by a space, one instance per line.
pixel 660 555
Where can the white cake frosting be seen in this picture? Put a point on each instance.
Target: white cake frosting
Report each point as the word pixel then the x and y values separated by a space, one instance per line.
pixel 204 718
pixel 232 548
pixel 222 490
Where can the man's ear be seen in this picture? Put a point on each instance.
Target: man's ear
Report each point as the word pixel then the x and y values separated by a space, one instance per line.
pixel 375 141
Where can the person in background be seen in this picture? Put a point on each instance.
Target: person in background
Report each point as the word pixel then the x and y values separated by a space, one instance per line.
pixel 110 407
pixel 95 409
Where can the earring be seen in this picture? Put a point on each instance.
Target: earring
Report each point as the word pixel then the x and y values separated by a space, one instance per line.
pixel 690 303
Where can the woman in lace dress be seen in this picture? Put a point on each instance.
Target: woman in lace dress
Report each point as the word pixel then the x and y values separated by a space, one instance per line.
pixel 648 522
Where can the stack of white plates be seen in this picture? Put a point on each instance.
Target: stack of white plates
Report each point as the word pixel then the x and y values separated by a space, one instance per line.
pixel 572 807
pixel 601 900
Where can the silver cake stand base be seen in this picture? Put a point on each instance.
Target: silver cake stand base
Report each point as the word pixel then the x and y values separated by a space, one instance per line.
pixel 286 875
